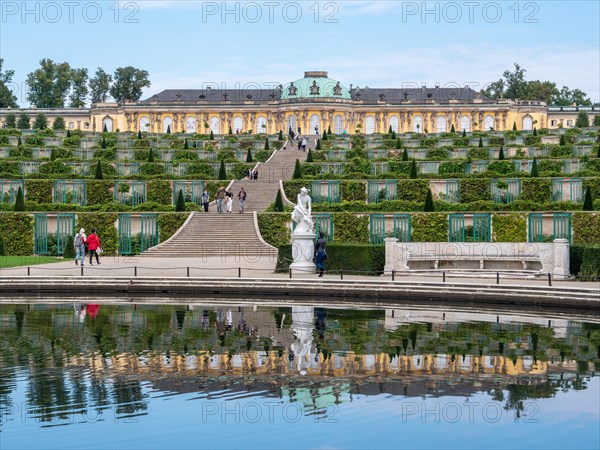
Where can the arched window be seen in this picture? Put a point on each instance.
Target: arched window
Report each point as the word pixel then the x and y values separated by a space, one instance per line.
pixel 465 124
pixel 167 125
pixel 261 125
pixel 417 123
pixel 315 122
pixel 527 123
pixel 440 124
pixel 144 124
pixel 108 124
pixel 370 125
pixel 215 125
pixel 394 124
pixel 190 125
pixel 292 123
pixel 488 123
pixel 238 124
pixel 338 124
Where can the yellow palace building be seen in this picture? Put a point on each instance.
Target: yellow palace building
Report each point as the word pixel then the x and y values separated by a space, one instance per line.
pixel 313 104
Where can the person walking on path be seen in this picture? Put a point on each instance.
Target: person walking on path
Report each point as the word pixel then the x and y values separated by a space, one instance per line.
pixel 220 195
pixel 205 200
pixel 229 196
pixel 304 142
pixel 242 197
pixel 79 244
pixel 321 253
pixel 93 246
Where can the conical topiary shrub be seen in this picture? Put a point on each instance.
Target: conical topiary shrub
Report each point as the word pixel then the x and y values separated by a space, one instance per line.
pixel 452 129
pixel 139 136
pixel 405 155
pixel 278 206
pixel 297 171
pixel 309 156
pixel 480 142
pixel 68 133
pixel 186 145
pixel 588 202
pixel 249 156
pixel 324 135
pixel 563 141
pixel 329 130
pixel 280 136
pixel 222 171
pixel 267 147
pixel 414 173
pixel 69 252
pixel 180 206
pixel 318 147
pixel 230 130
pixel 429 205
pixel 534 131
pixel 168 129
pixel 150 155
pixel 398 144
pixel 464 133
pixel 390 131
pixel 514 126
pixel 19 142
pixel 98 175
pixel 20 201
pixel 535 171
pixel 501 156
pixel 104 129
pixel 393 134
pixel 212 136
pixel 103 145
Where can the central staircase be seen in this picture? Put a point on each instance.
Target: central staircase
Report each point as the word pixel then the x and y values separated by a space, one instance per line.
pixel 220 234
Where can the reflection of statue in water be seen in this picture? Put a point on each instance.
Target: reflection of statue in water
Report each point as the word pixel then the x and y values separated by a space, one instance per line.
pixel 302 327
pixel 302 213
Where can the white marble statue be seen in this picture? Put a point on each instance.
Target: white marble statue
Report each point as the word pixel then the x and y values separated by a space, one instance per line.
pixel 302 213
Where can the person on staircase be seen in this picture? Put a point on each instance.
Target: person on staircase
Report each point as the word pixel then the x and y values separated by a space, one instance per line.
pixel 229 196
pixel 205 200
pixel 242 198
pixel 220 196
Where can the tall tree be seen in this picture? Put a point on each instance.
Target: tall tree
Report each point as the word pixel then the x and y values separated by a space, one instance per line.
pixel 49 85
pixel 516 86
pixel 24 122
pixel 11 120
pixel 128 83
pixel 544 91
pixel 7 98
pixel 58 124
pixel 79 88
pixel 582 120
pixel 100 86
pixel 567 97
pixel 41 122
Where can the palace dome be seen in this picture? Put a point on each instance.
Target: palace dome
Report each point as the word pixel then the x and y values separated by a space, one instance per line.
pixel 315 85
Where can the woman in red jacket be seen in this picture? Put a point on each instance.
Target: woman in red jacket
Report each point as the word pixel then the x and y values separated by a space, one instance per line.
pixel 93 242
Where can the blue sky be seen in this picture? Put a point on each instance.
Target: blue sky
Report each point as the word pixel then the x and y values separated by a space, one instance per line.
pixel 186 44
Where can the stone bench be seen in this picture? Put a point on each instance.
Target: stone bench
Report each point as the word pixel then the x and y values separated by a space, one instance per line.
pixel 538 257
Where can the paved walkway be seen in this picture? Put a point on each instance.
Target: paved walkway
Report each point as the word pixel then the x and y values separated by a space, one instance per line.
pixel 252 268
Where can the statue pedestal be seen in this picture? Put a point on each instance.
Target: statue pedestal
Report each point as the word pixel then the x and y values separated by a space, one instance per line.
pixel 303 250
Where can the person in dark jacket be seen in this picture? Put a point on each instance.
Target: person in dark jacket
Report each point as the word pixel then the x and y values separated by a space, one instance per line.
pixel 321 253
pixel 93 245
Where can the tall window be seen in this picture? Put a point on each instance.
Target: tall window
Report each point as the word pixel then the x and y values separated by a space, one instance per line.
pixel 315 121
pixel 338 124
pixel 144 124
pixel 167 124
pixel 261 125
pixel 441 124
pixel 393 123
pixel 465 123
pixel 488 123
pixel 238 124
pixel 108 124
pixel 215 125
pixel 292 123
pixel 190 125
pixel 370 125
pixel 527 123
pixel 417 124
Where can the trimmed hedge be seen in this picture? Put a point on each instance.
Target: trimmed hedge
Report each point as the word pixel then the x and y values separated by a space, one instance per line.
pixel 429 227
pixel 351 228
pixel 106 228
pixel 585 262
pixel 169 223
pixel 586 227
pixel 39 191
pixel 16 230
pixel 274 228
pixel 509 227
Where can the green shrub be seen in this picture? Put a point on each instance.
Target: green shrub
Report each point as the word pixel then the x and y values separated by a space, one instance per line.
pixel 353 191
pixel 16 229
pixel 278 206
pixel 586 227
pixel 429 227
pixel 20 201
pixel 509 227
pixel 414 171
pixel 585 262
pixel 428 206
pixel 412 190
pixel 274 228
pixel 297 171
pixel 69 252
pixel 351 228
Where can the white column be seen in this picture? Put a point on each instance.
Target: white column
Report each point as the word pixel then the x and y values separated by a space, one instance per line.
pixel 562 262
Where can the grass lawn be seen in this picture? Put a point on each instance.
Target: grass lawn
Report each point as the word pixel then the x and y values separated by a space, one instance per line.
pixel 15 261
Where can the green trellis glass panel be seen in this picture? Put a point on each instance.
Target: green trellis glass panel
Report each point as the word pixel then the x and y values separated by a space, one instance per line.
pixel 576 190
pixel 380 167
pixel 562 226
pixel 535 228
pixel 149 231
pixel 567 166
pixel 507 195
pixel 168 168
pixel 373 191
pixel 315 191
pixel 431 167
pixel 482 227
pixel 120 168
pixel 59 191
pixel 40 234
pixel 135 168
pixel 65 227
pixel 79 192
pixel 456 227
pixel 391 189
pixel 468 168
pixel 13 189
pixel 333 191
pixel 453 191
pixel 134 195
pixel 376 228
pixel 324 223
pixel 124 233
pixel 192 191
pixel 402 230
pixel 182 169
pixel 557 190
pixel 28 167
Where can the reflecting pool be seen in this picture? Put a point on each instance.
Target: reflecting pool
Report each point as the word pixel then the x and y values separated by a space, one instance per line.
pixel 223 376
